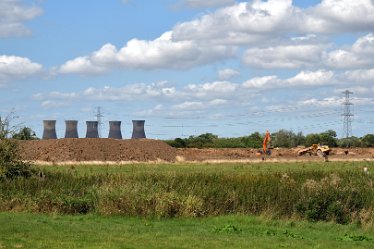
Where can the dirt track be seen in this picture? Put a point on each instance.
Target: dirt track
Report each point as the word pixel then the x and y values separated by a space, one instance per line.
pixel 146 150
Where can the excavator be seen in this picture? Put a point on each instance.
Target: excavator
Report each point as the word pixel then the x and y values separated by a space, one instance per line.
pixel 265 146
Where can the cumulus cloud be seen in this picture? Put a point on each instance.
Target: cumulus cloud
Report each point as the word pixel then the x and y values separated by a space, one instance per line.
pixel 211 90
pixel 15 68
pixel 360 54
pixel 131 92
pixel 284 57
pixel 363 75
pixel 160 53
pixel 302 79
pixel 257 26
pixel 240 23
pixel 12 16
pixel 332 16
pixel 308 78
pixel 227 73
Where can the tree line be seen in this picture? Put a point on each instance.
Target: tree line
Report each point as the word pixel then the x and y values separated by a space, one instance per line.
pixel 282 138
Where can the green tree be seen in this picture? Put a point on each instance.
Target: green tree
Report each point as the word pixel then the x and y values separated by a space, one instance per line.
pixel 252 141
pixel 368 140
pixel 25 133
pixel 312 139
pixel 328 138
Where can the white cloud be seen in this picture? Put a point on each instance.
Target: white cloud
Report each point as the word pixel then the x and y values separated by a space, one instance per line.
pixel 360 54
pixel 56 95
pixel 228 73
pixel 81 65
pixel 52 104
pixel 188 106
pixel 162 52
pixel 302 79
pixel 308 78
pixel 333 16
pixel 260 82
pixel 205 3
pixel 211 90
pixel 131 92
pixel 238 24
pixel 218 35
pixel 14 68
pixel 286 56
pixel 326 102
pixel 12 15
pixel 335 101
pixel 217 102
pixel 361 76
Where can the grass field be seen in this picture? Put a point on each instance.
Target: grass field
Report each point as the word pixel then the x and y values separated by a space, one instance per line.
pixel 220 168
pixel 20 230
pixel 231 205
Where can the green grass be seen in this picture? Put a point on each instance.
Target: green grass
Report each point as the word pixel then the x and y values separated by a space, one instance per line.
pixel 20 230
pixel 339 192
pixel 221 168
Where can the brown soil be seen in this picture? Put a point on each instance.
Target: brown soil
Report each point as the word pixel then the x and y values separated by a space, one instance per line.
pixel 96 149
pixel 191 154
pixel 145 150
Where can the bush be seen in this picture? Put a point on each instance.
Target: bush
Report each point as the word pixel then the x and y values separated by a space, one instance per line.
pixel 11 165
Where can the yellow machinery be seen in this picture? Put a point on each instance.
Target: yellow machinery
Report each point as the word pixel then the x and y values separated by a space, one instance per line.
pixel 316 150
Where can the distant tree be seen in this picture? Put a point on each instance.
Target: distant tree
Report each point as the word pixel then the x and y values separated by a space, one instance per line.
pixel 349 142
pixel 205 140
pixel 312 139
pixel 368 140
pixel 25 133
pixel 328 138
pixel 252 141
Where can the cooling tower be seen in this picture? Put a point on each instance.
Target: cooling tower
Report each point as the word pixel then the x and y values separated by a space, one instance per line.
pixel 71 129
pixel 115 130
pixel 49 131
pixel 138 129
pixel 92 129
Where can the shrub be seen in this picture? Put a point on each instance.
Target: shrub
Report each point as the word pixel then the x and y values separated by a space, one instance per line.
pixel 11 165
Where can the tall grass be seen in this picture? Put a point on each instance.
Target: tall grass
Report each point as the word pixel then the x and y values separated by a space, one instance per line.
pixel 342 197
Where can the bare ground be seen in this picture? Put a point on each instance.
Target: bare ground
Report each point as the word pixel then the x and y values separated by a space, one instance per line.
pixel 105 150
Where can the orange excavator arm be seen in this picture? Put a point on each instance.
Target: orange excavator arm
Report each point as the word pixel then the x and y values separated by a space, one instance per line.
pixel 267 139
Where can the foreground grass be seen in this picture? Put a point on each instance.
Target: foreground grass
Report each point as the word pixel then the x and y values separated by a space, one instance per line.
pixel 20 230
pixel 208 168
pixel 339 192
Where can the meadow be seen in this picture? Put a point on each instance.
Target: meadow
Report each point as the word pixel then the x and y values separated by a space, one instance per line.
pixel 264 205
pixel 20 230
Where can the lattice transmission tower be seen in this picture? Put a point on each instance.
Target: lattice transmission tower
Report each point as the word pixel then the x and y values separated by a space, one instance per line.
pixel 347 114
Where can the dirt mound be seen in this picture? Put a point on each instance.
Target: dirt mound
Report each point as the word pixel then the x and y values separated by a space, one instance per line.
pixel 96 149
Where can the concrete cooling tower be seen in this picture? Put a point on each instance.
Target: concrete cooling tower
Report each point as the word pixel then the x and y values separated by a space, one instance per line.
pixel 71 129
pixel 92 129
pixel 138 129
pixel 115 130
pixel 49 131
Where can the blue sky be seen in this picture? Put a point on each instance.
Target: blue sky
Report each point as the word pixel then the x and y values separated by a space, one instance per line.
pixel 188 66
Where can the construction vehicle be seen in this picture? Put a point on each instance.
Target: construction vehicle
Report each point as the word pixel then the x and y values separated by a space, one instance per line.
pixel 315 150
pixel 266 144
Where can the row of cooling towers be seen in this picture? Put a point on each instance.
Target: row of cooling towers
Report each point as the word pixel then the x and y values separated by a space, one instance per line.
pixel 71 131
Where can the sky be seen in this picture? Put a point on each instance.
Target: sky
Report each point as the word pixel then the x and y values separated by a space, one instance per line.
pixel 188 67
